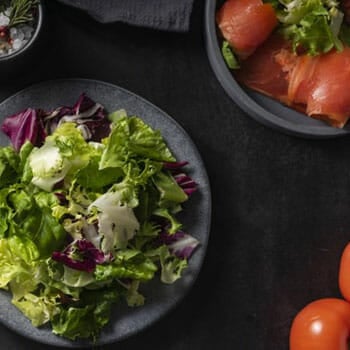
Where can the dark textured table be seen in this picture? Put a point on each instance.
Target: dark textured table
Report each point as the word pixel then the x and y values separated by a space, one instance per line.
pixel 280 204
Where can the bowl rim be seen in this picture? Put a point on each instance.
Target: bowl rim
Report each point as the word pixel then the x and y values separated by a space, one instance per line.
pixel 38 27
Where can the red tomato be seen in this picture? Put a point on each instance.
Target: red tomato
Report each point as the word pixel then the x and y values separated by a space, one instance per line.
pixel 322 325
pixel 344 273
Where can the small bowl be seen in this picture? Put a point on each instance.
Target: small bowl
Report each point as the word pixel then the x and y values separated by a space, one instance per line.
pixel 16 62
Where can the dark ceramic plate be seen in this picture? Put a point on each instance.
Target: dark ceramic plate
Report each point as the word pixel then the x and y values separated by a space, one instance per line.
pixel 263 109
pixel 160 298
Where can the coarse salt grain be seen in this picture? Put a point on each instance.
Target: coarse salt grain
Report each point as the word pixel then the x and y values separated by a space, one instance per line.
pixel 17 44
pixel 4 20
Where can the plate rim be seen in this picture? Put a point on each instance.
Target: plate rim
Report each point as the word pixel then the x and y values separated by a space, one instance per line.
pixel 63 342
pixel 243 100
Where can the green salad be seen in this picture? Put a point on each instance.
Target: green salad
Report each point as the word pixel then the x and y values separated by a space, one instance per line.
pixel 88 205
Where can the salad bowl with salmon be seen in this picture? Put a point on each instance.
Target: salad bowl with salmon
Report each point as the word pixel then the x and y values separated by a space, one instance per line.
pixel 286 63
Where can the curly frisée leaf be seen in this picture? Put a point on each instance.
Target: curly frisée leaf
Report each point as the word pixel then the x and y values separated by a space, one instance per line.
pixel 171 266
pixel 117 223
pixel 311 25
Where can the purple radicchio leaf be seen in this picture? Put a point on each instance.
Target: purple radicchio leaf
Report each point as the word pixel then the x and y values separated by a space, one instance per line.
pixel 51 119
pixel 83 104
pixel 81 255
pixel 180 244
pixel 24 126
pixel 184 181
pixel 90 117
pixel 174 165
pixel 35 124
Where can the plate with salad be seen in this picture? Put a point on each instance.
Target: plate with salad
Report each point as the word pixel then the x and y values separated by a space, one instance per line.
pixel 105 213
pixel 284 62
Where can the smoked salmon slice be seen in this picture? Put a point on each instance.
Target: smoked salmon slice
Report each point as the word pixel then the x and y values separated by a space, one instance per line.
pixel 315 85
pixel 246 24
pixel 263 70
pixel 329 96
pixel 320 84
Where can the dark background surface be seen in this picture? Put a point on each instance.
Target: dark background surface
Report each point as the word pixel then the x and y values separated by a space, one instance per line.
pixel 280 204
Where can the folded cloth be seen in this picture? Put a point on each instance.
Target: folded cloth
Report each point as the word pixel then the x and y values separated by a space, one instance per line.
pixel 171 15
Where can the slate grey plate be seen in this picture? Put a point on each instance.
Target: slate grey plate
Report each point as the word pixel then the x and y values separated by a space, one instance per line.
pixel 261 108
pixel 196 216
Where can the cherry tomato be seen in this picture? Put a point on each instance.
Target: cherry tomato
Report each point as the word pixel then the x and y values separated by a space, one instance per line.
pixel 344 273
pixel 322 325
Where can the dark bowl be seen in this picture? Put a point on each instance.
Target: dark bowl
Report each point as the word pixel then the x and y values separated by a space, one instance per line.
pixel 261 108
pixel 15 63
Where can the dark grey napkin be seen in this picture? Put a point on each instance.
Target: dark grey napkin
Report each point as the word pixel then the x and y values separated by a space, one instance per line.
pixel 171 15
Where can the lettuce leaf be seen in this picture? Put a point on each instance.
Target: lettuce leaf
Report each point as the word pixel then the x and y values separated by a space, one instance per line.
pixel 26 213
pixel 85 319
pixel 63 154
pixel 170 192
pixel 18 264
pixel 106 176
pixel 131 137
pixel 229 56
pixel 130 264
pixel 39 309
pixel 9 163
